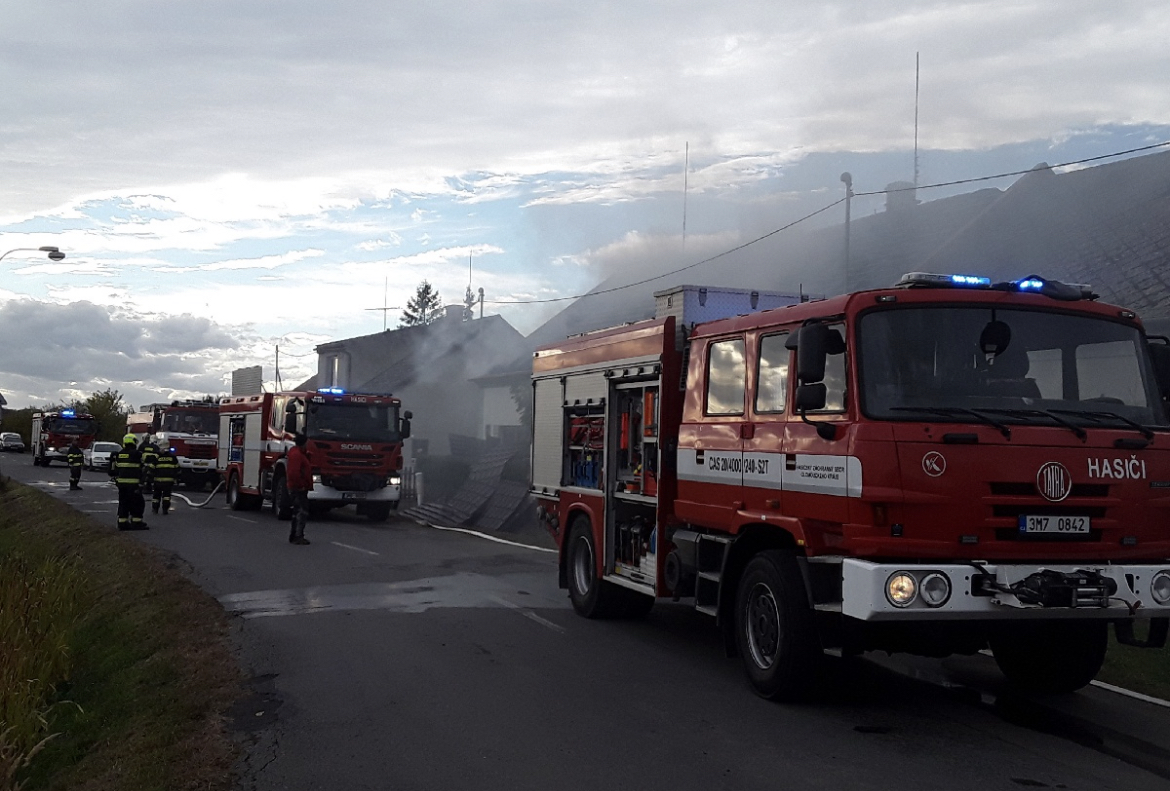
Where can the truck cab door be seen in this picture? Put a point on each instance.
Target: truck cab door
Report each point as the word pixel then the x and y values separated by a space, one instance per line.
pixel 711 437
pixel 819 475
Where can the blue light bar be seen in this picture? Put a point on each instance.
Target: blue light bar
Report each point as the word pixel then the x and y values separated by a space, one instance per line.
pixel 1031 284
pixel 66 413
pixel 970 280
pixel 331 390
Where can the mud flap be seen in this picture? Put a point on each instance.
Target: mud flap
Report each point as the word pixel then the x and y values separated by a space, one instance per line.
pixel 1155 639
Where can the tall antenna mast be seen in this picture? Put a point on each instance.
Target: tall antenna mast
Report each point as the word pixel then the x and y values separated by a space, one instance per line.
pixel 916 120
pixel 686 173
pixel 385 297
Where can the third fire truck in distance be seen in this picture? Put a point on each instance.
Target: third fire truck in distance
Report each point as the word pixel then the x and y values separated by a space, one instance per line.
pixel 354 446
pixel 53 433
pixel 187 426
pixel 939 467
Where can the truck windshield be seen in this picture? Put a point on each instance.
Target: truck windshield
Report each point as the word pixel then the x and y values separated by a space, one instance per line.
pixel 359 422
pixel 1004 365
pixel 191 421
pixel 77 426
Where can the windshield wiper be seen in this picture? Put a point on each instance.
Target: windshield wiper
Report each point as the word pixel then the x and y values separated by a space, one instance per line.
pixel 951 411
pixel 1082 435
pixel 1097 416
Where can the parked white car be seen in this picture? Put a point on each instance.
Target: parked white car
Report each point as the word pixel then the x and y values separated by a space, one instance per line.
pixel 97 456
pixel 11 441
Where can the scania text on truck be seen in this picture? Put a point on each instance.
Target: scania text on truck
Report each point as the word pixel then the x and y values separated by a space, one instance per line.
pixel 53 432
pixel 940 467
pixel 354 446
pixel 188 426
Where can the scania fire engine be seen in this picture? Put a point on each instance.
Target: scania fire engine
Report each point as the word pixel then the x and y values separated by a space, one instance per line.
pixel 354 446
pixel 53 433
pixel 187 426
pixel 939 467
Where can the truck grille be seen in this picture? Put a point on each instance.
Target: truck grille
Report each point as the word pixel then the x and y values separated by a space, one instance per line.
pixel 1028 489
pixel 1029 501
pixel 201 451
pixel 355 482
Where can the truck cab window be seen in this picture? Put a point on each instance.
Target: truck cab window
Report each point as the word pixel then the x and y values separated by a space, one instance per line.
pixel 726 377
pixel 772 377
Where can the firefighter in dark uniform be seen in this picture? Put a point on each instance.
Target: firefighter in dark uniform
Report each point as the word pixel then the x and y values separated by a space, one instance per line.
pixel 166 470
pixel 75 459
pixel 126 470
pixel 149 451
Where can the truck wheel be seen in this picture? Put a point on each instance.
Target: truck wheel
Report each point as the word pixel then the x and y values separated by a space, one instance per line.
pixel 775 629
pixel 1052 656
pixel 234 500
pixel 378 512
pixel 592 597
pixel 281 502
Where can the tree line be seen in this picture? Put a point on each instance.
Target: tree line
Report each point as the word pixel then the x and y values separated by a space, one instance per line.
pixel 106 406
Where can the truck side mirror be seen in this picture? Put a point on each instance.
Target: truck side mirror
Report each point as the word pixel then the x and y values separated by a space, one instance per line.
pixel 404 424
pixel 290 422
pixel 812 348
pixel 811 397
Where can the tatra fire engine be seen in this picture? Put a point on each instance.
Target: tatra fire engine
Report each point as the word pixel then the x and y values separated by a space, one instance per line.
pixel 939 467
pixel 187 426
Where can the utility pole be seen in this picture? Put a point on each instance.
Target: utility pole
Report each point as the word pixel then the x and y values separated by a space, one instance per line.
pixel 847 179
pixel 385 308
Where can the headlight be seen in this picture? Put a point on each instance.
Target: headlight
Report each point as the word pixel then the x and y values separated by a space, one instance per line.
pixel 1160 587
pixel 316 479
pixel 901 589
pixel 394 480
pixel 935 589
pixel 51 449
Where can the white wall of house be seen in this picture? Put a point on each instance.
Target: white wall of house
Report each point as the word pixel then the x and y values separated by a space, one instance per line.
pixel 498 410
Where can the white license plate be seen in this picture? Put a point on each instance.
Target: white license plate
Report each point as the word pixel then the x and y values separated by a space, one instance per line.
pixel 1054 524
pixel 353 495
pixel 199 463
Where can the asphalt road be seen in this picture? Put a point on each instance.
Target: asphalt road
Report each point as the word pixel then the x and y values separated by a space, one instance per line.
pixel 399 656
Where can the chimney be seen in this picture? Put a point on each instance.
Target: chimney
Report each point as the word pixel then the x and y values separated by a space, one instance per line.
pixel 453 313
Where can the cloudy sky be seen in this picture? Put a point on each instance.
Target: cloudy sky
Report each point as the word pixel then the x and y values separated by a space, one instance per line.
pixel 229 176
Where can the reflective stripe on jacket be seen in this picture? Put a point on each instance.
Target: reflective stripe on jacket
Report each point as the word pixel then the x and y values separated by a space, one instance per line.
pixel 166 469
pixel 75 458
pixel 126 467
pixel 149 455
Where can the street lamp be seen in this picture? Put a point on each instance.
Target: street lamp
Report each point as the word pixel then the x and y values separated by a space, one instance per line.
pixel 54 253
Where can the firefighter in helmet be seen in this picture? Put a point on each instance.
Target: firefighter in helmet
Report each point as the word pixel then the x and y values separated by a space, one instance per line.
pixel 149 451
pixel 126 469
pixel 166 470
pixel 75 459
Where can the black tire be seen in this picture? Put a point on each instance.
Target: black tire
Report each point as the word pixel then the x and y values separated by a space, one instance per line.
pixel 775 629
pixel 1050 657
pixel 281 501
pixel 591 596
pixel 378 512
pixel 235 500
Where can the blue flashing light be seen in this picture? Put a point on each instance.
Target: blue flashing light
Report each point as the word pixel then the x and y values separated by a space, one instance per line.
pixel 331 390
pixel 66 413
pixel 970 280
pixel 1031 284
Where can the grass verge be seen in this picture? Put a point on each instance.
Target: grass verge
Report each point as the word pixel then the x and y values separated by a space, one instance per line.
pixel 1144 670
pixel 143 665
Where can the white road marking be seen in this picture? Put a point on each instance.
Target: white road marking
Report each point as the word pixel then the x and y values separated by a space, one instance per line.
pixel 498 540
pixel 1131 694
pixel 355 549
pixel 529 614
pixel 241 519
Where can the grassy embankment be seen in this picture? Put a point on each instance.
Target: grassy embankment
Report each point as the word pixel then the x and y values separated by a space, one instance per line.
pixel 114 668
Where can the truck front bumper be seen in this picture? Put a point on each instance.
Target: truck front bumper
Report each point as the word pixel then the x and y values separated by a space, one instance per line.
pixel 322 493
pixel 1007 591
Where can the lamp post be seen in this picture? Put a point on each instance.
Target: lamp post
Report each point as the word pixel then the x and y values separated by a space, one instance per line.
pixel 54 253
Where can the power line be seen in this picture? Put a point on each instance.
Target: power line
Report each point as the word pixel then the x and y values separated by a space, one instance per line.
pixel 821 210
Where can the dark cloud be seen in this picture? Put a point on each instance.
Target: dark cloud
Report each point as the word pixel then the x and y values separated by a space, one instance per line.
pixel 82 346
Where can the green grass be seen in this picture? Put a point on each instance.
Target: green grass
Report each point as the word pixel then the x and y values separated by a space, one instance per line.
pixel 129 661
pixel 1145 670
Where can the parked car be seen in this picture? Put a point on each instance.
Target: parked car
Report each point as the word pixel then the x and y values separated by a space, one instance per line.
pixel 97 457
pixel 11 441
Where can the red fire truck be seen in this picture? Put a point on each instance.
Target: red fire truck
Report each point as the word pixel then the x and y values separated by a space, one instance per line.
pixel 190 428
pixel 938 467
pixel 53 432
pixel 354 447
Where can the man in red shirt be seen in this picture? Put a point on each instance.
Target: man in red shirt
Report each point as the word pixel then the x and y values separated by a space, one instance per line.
pixel 299 480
